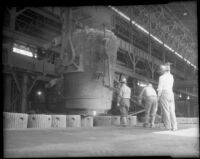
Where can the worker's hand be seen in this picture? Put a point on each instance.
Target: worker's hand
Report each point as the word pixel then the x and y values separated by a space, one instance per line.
pixel 118 104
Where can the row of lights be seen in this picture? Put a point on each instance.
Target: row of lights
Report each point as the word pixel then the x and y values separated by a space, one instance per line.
pixel 188 97
pixel 155 38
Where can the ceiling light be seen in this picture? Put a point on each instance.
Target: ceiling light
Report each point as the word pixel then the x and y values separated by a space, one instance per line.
pixel 94 113
pixel 185 14
pixel 39 93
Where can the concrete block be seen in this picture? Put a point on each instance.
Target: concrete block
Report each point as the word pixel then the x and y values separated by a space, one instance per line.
pixel 15 120
pixel 73 121
pixel 58 121
pixel 132 120
pixel 102 121
pixel 39 121
pixel 115 120
pixel 87 121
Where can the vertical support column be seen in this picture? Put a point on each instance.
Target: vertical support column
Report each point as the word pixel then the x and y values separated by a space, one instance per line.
pixel 7 93
pixel 175 63
pixel 164 58
pixel 12 18
pixel 130 51
pixel 152 72
pixel 134 63
pixel 149 34
pixel 24 93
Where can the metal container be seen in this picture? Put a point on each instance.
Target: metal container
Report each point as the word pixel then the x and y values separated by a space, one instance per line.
pixel 87 121
pixel 90 89
pixel 115 120
pixel 58 121
pixel 73 121
pixel 102 121
pixel 15 120
pixel 39 121
pixel 132 120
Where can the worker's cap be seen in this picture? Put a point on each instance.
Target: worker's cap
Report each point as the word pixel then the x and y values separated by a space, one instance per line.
pixel 168 64
pixel 163 68
pixel 146 81
pixel 123 80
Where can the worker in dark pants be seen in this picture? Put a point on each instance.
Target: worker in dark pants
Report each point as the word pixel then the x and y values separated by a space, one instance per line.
pixel 124 101
pixel 149 96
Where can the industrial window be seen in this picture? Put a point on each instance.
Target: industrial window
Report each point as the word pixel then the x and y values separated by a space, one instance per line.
pixel 23 50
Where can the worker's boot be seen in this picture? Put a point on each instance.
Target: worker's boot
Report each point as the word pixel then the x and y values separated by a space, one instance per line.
pixel 146 122
pixel 152 122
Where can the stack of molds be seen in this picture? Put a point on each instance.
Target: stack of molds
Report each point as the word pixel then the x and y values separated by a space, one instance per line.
pixel 73 121
pixel 15 120
pixel 132 120
pixel 39 121
pixel 115 120
pixel 87 121
pixel 58 121
pixel 102 121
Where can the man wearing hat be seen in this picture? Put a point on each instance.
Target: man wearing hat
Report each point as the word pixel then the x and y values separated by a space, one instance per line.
pixel 149 96
pixel 124 101
pixel 166 97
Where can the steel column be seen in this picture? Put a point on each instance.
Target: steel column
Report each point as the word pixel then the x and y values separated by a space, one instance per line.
pixel 7 93
pixel 15 79
pixel 24 93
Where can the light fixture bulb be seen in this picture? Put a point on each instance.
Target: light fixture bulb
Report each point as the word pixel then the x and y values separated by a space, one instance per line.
pixel 39 93
pixel 94 113
pixel 185 14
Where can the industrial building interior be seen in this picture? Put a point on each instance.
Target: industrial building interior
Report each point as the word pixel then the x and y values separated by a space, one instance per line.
pixel 53 65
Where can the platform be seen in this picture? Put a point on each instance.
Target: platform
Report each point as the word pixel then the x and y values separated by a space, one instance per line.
pixel 102 141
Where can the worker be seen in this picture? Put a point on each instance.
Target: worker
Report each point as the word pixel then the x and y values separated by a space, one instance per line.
pixel 149 96
pixel 166 97
pixel 123 101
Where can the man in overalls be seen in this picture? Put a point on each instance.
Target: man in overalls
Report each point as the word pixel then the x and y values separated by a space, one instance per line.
pixel 149 96
pixel 124 101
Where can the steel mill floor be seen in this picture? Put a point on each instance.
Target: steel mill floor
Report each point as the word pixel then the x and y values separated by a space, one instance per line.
pixel 102 141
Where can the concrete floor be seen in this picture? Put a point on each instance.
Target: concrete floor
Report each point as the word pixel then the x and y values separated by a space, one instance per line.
pixel 102 141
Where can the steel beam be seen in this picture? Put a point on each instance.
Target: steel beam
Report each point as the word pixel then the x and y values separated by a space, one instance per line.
pixel 32 85
pixel 46 14
pixel 16 80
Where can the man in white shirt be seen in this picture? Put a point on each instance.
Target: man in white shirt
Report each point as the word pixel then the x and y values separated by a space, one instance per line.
pixel 124 101
pixel 149 96
pixel 166 97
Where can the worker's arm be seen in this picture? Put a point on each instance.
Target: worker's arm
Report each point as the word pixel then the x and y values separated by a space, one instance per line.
pixel 141 96
pixel 119 96
pixel 160 83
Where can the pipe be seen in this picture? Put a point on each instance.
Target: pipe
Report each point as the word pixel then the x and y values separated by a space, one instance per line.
pixel 66 37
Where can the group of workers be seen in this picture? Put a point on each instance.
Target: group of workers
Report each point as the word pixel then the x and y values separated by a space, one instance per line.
pixel 164 97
